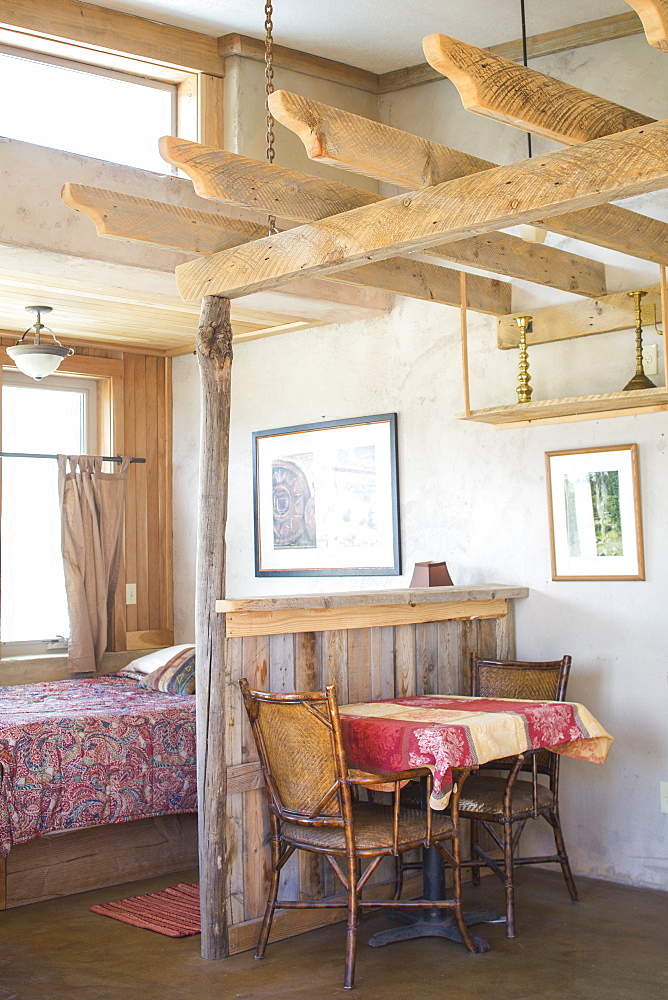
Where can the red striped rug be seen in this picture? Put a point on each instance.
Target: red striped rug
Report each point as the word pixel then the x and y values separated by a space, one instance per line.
pixel 174 911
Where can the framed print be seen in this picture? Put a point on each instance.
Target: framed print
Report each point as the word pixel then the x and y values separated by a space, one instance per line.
pixel 595 518
pixel 325 499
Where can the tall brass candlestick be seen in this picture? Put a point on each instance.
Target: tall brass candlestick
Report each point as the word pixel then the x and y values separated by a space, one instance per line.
pixel 639 380
pixel 524 390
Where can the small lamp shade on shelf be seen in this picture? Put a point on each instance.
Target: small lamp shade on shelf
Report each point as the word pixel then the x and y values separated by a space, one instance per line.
pixel 431 574
pixel 38 360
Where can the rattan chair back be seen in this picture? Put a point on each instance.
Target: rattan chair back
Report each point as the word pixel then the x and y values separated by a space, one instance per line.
pixel 299 745
pixel 524 680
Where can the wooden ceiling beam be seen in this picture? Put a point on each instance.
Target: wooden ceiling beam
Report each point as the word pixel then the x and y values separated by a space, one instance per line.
pixel 573 178
pixel 125 217
pixel 506 91
pixel 654 17
pixel 352 142
pixel 238 180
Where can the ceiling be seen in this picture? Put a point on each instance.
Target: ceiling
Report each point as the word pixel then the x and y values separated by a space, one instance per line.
pixel 376 35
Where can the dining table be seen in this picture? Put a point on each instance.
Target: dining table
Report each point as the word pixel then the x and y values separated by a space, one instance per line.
pixel 447 732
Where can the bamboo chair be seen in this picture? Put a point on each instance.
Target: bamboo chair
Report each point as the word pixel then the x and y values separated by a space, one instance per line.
pixel 311 808
pixel 509 801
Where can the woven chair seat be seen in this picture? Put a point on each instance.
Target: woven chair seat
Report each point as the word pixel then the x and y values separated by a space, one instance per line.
pixel 483 795
pixel 372 823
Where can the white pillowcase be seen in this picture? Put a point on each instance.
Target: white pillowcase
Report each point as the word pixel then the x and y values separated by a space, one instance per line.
pixel 158 658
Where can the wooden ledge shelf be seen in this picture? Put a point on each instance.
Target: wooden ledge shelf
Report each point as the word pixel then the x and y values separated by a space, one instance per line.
pixel 555 411
pixel 330 612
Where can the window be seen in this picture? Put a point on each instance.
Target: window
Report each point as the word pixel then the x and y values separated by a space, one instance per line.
pixel 86 109
pixel 50 418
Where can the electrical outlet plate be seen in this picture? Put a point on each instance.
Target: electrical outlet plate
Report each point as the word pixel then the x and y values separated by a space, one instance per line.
pixel 650 360
pixel 663 791
pixel 130 593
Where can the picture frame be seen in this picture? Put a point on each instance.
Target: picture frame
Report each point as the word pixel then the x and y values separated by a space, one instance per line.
pixel 595 513
pixel 326 498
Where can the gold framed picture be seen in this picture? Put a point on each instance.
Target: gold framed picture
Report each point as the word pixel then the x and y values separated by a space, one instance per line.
pixel 595 514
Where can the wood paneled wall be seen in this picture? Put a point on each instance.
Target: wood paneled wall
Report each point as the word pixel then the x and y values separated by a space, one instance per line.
pixel 365 664
pixel 135 418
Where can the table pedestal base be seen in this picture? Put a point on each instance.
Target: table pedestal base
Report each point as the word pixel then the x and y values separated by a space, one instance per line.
pixel 434 922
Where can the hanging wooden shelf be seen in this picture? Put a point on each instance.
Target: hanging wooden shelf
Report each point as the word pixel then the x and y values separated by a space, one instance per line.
pixel 553 411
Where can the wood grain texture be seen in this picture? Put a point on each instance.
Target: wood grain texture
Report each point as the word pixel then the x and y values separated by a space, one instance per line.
pixel 266 187
pixel 547 43
pixel 573 178
pixel 210 96
pixel 113 31
pixel 125 217
pixel 214 354
pixel 280 623
pixel 595 407
pixel 654 17
pixel 363 146
pixel 122 216
pixel 580 319
pixel 360 599
pixel 80 860
pixel 431 282
pixel 498 88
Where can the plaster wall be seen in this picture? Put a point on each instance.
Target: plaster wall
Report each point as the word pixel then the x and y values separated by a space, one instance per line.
pixel 475 496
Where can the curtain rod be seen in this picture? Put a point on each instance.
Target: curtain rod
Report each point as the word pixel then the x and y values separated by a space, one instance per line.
pixel 105 458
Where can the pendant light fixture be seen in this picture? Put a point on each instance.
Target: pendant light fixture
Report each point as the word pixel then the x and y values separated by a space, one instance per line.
pixel 37 359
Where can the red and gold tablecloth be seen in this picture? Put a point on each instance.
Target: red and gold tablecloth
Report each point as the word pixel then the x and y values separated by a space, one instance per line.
pixel 446 731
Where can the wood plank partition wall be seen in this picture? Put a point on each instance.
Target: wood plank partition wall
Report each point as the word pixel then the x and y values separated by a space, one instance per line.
pixel 269 645
pixel 148 518
pixel 135 418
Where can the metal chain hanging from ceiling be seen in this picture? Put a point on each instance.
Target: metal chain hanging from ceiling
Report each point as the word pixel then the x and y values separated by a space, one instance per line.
pixel 525 57
pixel 269 89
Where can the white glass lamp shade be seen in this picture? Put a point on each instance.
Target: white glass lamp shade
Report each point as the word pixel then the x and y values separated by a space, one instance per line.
pixel 532 234
pixel 38 360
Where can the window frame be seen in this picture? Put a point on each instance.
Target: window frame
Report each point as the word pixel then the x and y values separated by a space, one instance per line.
pixel 107 72
pixel 57 382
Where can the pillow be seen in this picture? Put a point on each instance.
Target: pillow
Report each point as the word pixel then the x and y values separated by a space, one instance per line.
pixel 151 661
pixel 175 677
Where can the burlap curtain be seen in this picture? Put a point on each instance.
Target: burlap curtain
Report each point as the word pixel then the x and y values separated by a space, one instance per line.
pixel 91 504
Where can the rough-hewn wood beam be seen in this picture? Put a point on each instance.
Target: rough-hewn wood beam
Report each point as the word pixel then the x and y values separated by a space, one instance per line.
pixel 607 225
pixel 237 180
pixel 578 319
pixel 418 280
pixel 577 177
pixel 363 146
pixel 654 17
pixel 124 217
pixel 503 90
pixel 359 144
pixel 266 187
pixel 121 216
pixel 575 36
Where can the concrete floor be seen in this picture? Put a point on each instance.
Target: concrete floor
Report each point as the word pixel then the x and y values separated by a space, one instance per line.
pixel 611 946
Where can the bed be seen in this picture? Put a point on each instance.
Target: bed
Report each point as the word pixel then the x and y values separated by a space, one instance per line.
pixel 97 785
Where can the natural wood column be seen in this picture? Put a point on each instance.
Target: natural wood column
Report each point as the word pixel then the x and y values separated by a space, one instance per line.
pixel 214 354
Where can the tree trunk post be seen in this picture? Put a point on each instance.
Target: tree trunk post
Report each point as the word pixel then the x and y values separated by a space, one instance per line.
pixel 214 355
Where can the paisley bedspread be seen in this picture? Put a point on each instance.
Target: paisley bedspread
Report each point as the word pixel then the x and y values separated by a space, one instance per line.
pixel 86 752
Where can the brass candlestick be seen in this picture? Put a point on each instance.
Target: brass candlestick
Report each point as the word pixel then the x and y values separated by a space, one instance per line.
pixel 524 390
pixel 639 380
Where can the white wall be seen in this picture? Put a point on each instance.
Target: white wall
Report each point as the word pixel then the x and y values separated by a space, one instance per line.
pixel 475 496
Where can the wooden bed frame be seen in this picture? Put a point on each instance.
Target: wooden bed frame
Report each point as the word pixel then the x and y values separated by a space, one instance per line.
pixel 62 864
